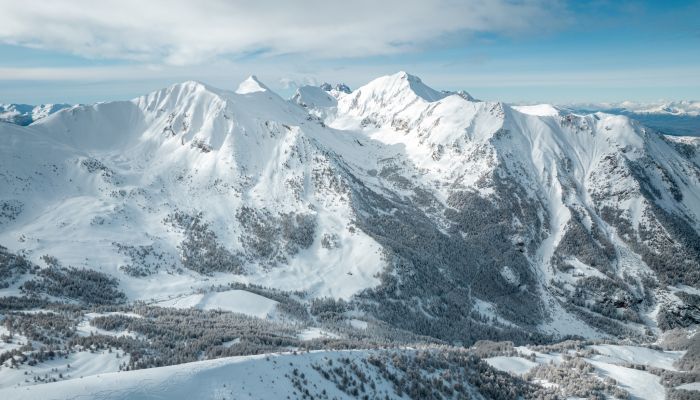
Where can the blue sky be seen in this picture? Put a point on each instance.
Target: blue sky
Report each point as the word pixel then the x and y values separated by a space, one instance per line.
pixel 79 51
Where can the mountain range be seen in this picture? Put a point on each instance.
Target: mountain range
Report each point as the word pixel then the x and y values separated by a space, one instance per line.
pixel 423 214
pixel 394 191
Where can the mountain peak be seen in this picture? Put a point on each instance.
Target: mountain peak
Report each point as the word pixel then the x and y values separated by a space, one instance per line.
pixel 389 94
pixel 407 76
pixel 313 97
pixel 251 85
pixel 190 86
pixel 339 87
pixel 404 80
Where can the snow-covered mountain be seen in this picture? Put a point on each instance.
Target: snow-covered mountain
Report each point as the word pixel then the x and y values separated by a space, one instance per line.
pixel 426 211
pixel 187 177
pixel 25 114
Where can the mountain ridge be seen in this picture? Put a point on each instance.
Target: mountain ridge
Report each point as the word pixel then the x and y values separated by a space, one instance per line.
pixel 412 205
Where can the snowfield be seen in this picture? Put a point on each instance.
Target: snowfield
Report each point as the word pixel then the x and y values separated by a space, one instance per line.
pixel 85 329
pixel 238 301
pixel 614 354
pixel 513 365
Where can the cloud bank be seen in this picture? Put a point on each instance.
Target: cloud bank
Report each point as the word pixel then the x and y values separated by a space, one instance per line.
pixel 189 32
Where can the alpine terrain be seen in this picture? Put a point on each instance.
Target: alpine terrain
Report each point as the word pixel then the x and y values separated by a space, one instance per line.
pixel 392 240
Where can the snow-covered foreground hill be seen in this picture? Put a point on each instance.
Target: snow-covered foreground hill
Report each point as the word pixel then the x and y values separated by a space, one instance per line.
pixel 196 223
pixel 326 374
pixel 569 370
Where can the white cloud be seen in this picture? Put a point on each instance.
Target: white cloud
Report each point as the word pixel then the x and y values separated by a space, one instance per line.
pixel 296 82
pixel 76 73
pixel 191 32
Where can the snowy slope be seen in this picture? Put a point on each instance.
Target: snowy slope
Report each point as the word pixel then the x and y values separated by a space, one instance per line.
pixel 250 377
pixel 321 374
pixel 374 373
pixel 544 110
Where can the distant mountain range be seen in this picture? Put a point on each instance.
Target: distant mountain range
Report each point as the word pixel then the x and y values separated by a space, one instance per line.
pixel 678 118
pixel 25 114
